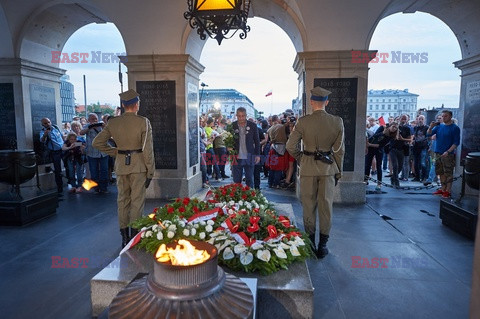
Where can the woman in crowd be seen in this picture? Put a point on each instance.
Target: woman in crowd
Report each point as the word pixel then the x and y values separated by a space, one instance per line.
pixel 375 146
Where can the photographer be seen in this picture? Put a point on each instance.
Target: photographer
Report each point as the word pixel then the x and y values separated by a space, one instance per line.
pixel 51 137
pixel 97 161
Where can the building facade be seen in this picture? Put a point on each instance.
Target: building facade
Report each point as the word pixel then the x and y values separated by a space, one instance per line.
pixel 391 103
pixel 225 101
pixel 67 97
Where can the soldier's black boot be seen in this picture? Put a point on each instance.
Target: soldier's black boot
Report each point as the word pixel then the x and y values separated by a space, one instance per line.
pixel 124 233
pixel 322 246
pixel 312 240
pixel 133 232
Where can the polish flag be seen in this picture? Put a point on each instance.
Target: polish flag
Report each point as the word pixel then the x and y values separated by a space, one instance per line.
pixel 381 121
pixel 268 94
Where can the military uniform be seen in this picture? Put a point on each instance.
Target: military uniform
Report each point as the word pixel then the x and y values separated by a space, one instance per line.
pixel 134 160
pixel 324 132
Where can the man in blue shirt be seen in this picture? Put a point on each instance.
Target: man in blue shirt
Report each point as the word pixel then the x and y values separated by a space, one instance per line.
pixel 447 141
pixel 51 137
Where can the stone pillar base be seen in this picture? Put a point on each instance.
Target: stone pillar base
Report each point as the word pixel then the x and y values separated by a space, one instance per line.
pixel 350 192
pixel 174 187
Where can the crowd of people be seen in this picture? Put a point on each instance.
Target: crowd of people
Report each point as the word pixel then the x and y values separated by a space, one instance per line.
pixel 412 150
pixel 275 163
pixel 72 145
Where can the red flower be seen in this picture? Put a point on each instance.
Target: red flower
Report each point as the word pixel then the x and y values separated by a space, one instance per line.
pixel 224 192
pixel 195 209
pixel 254 219
pixel 181 209
pixel 170 210
pixel 285 221
pixel 155 210
pixel 186 200
pixel 253 193
pixel 272 231
pixel 253 228
pixel 244 196
pixel 178 200
pixel 242 212
pixel 220 212
pixel 232 194
pixel 256 210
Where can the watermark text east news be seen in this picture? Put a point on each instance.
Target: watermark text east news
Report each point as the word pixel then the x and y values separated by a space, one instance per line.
pixel 85 57
pixel 392 57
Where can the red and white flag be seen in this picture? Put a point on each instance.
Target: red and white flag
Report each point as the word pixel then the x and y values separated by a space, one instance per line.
pixel 134 241
pixel 268 94
pixel 381 121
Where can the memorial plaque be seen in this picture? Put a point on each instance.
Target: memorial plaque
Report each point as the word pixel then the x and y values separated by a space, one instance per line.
pixel 343 102
pixel 471 129
pixel 42 104
pixel 157 103
pixel 8 129
pixel 192 105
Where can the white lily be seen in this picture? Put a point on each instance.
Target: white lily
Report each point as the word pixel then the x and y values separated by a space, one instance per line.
pixel 149 233
pixel 246 258
pixel 170 234
pixel 186 232
pixel 294 251
pixel 240 248
pixel 264 255
pixel 202 236
pixel 256 246
pixel 210 222
pixel 280 253
pixel 193 231
pixel 209 228
pixel 159 235
pixel 228 254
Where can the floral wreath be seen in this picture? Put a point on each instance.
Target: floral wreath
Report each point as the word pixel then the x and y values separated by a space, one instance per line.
pixel 247 232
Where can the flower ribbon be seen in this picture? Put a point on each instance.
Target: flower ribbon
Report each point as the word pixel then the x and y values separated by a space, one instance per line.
pixel 202 216
pixel 231 227
pixel 243 239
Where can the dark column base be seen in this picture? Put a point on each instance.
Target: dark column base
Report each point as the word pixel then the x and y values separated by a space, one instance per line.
pixel 34 205
pixel 461 217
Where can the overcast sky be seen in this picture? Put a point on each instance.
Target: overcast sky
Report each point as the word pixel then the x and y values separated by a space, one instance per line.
pixel 263 62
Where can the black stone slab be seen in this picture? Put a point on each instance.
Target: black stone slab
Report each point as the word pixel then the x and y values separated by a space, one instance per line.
pixel 8 130
pixel 460 217
pixel 471 129
pixel 32 207
pixel 42 103
pixel 157 99
pixel 192 104
pixel 343 102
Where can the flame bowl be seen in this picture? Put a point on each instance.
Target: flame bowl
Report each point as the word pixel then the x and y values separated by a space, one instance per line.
pixel 199 291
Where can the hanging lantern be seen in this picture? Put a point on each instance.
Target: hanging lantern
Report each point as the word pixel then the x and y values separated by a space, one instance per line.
pixel 219 19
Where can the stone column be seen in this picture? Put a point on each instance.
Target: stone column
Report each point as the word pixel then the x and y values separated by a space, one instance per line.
pixel 347 78
pixel 168 87
pixel 34 90
pixel 469 114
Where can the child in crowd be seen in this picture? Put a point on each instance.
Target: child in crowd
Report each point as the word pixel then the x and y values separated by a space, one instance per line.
pixel 74 149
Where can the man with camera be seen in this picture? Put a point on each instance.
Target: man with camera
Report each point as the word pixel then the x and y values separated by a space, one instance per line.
pixel 52 138
pixel 321 165
pixel 447 141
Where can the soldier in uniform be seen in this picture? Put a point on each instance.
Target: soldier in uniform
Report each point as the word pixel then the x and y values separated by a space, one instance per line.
pixel 321 165
pixel 134 161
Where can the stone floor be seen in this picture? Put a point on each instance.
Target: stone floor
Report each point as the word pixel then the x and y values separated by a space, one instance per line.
pixel 428 274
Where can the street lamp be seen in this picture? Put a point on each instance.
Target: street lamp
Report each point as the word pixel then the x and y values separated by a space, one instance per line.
pixel 216 18
pixel 203 85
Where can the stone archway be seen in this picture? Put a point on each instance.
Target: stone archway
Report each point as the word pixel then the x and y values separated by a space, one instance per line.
pixel 49 27
pixel 6 49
